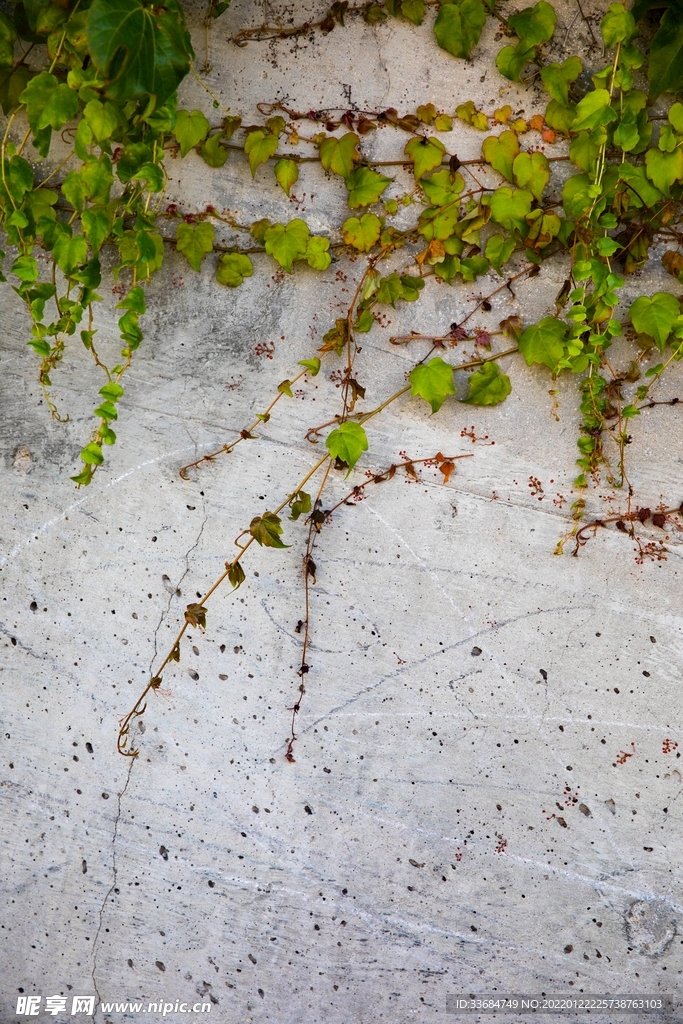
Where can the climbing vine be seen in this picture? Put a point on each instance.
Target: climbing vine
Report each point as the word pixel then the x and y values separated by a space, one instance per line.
pixel 93 87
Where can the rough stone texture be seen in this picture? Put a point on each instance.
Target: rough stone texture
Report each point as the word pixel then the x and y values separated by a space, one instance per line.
pixel 457 819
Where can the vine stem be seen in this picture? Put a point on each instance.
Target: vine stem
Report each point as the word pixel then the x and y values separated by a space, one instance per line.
pixel 245 434
pixel 155 681
pixel 313 531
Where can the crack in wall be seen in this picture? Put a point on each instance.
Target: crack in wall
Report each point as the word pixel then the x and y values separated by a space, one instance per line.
pixel 111 889
pixel 176 589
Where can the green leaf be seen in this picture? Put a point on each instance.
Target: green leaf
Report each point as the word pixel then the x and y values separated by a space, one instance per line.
pixel 458 27
pixel 499 250
pixel 488 386
pixel 544 342
pixel 413 10
pixel 286 243
pixel 643 192
pixel 576 196
pixel 8 37
pixel 139 51
pixel 627 135
pixel 69 253
pixel 312 366
pixel 607 246
pixel 557 78
pixel 432 381
pixel 362 234
pixel 233 267
pixel 111 391
pixel 213 153
pixel 130 330
pixel 390 289
pixel 48 104
pixel 510 208
pixel 618 26
pixel 338 155
pixel 426 154
pixel 511 60
pixel 152 175
pixel 317 255
pixel 594 110
pixel 500 152
pixel 98 178
pixel 286 174
pixel 665 69
pixel 364 322
pixel 411 287
pixel 266 530
pixel 365 187
pixel 560 118
pixel 12 85
pixel 36 95
pixel 19 181
pixel 106 411
pixel 92 455
pixel 300 504
pixel 131 159
pixel 135 301
pixel 655 316
pixel 675 116
pixel 191 128
pixel 534 25
pixel 473 267
pixel 443 187
pixel 26 269
pixel 259 147
pixel 532 171
pixel 194 241
pixel 585 149
pixel 663 169
pixel 101 118
pixel 84 477
pixel 347 443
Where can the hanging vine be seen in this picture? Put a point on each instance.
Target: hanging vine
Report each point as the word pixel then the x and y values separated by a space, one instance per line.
pixel 93 86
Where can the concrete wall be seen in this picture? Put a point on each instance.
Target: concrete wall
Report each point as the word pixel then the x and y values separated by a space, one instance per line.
pixel 456 820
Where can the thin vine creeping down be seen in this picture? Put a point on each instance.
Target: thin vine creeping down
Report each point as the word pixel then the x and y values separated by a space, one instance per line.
pixel 102 77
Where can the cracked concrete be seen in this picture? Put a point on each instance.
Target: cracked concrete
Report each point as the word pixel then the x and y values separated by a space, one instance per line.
pixel 487 787
pixel 112 889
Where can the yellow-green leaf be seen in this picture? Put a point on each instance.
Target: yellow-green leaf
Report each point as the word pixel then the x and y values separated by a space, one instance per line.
pixel 426 154
pixel 488 386
pixel 232 269
pixel 532 171
pixel 259 147
pixel 194 241
pixel 362 234
pixel 191 128
pixel 432 381
pixel 286 173
pixel 339 155
pixel 500 151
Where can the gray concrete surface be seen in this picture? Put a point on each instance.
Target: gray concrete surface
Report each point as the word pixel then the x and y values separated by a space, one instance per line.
pixel 457 819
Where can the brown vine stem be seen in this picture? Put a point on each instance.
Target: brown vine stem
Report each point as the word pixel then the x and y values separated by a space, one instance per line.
pixel 314 527
pixel 245 434
pixel 315 524
pixel 640 515
pixel 174 653
pixel 264 33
